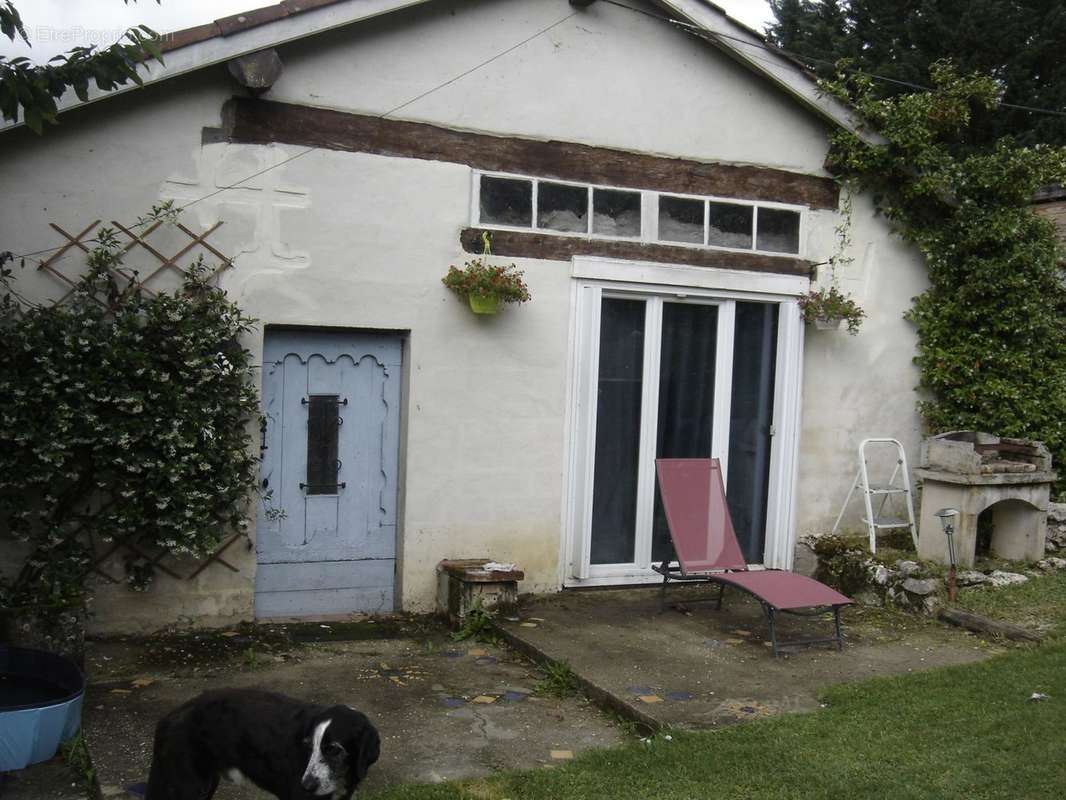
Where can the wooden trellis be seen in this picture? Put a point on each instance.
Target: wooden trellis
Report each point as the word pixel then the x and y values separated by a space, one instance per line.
pixel 159 265
pixel 172 263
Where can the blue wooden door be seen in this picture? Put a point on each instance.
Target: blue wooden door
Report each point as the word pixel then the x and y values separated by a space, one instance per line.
pixel 326 534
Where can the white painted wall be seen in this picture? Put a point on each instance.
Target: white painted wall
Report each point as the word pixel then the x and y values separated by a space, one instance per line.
pixel 353 240
pixel 606 76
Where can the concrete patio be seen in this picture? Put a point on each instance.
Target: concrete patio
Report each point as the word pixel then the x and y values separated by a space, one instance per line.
pixel 450 710
pixel 694 667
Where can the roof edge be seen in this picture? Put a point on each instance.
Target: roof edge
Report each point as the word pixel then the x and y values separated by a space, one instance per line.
pixel 748 48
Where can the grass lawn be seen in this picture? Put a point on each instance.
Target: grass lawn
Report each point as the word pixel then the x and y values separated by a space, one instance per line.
pixel 965 732
pixel 1039 604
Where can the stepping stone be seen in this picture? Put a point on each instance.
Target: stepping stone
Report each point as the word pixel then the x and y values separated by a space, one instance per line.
pixel 520 690
pixel 453 702
pixel 680 696
pixel 712 643
pixel 484 699
pixel 527 625
pixel 477 652
pixel 650 698
pixel 512 696
pixel 562 755
pixel 453 654
pixel 639 690
pixel 484 661
pixel 741 632
pixel 734 641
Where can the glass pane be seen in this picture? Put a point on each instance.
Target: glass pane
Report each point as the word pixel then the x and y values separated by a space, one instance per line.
pixel 506 201
pixel 615 213
pixel 323 428
pixel 730 225
pixel 686 397
pixel 750 418
pixel 779 231
pixel 681 220
pixel 614 492
pixel 562 208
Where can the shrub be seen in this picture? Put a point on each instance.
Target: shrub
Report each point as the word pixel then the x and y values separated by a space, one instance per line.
pixel 125 416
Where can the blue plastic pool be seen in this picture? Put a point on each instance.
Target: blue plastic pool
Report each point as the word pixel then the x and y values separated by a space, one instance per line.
pixel 40 705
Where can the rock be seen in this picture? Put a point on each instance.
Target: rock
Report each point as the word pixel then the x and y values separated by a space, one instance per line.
pixel 882 574
pixel 921 586
pixel 1056 512
pixel 868 597
pixel 931 604
pixel 970 577
pixel 999 578
pixel 908 568
pixel 1052 563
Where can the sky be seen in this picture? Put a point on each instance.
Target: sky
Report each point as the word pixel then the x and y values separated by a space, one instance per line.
pixel 55 26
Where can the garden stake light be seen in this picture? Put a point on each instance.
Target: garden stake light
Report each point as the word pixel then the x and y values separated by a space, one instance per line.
pixel 947 522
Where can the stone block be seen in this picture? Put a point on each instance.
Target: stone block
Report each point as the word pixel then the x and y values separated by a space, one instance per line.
pixel 463 584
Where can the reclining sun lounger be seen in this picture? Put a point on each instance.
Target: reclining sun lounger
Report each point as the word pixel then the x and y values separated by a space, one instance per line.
pixel 707 550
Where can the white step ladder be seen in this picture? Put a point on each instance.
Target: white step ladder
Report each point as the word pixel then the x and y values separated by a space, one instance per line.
pixel 902 486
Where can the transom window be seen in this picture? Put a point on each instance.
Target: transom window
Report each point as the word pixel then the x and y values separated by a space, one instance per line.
pixel 579 209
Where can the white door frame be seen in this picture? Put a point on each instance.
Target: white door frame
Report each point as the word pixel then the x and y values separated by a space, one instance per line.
pixel 595 278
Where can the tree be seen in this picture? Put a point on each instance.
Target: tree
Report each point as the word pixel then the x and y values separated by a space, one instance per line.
pixel 1016 42
pixel 35 88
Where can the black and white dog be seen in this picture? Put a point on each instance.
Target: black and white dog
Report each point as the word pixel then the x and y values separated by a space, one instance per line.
pixel 294 750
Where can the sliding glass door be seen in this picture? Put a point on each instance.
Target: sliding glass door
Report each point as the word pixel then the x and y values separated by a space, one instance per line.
pixel 667 376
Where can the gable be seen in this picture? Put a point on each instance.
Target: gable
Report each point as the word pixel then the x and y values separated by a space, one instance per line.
pixel 291 21
pixel 605 76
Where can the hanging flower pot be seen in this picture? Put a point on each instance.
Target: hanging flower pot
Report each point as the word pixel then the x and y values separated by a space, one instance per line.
pixel 828 324
pixel 827 309
pixel 485 285
pixel 483 303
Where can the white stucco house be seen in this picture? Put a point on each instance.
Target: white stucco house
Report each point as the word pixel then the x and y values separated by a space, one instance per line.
pixel 655 171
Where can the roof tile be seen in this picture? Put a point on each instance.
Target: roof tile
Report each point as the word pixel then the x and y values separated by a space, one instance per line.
pixel 236 23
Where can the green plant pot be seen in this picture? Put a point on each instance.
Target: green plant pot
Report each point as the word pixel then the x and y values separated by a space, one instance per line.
pixel 484 303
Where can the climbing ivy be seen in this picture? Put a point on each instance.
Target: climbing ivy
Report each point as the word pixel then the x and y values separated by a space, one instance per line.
pixel 124 414
pixel 992 324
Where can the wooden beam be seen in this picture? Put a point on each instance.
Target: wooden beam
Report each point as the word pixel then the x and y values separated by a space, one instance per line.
pixel 263 122
pixel 980 624
pixel 522 244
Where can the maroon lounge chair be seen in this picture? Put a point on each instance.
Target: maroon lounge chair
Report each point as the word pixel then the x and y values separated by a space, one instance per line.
pixel 707 550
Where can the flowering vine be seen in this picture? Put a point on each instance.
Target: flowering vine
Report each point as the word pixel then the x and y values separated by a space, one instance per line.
pixel 125 417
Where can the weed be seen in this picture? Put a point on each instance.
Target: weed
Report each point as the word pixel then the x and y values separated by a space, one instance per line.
pixel 76 754
pixel 558 680
pixel 250 658
pixel 630 728
pixel 478 624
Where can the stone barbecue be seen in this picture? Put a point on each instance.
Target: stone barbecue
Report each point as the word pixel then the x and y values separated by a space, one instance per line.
pixel 972 471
